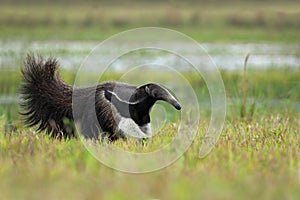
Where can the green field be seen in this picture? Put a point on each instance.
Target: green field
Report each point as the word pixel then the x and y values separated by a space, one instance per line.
pixel 253 159
pixel 255 21
pixel 257 155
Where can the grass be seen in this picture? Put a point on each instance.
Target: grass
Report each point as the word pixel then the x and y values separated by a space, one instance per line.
pixel 256 159
pixel 203 21
pixel 257 155
pixel 277 93
pixel 245 87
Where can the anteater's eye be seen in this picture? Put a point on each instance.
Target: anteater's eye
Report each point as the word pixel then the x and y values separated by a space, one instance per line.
pixel 155 94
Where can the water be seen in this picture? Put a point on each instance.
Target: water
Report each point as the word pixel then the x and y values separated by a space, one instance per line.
pixel 228 56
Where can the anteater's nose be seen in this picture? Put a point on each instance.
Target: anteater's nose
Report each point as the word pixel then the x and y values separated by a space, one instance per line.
pixel 177 106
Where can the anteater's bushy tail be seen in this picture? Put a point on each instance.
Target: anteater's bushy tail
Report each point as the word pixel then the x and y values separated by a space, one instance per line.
pixel 46 99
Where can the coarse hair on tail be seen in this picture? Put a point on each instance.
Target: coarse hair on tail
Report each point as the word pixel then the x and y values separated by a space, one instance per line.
pixel 46 100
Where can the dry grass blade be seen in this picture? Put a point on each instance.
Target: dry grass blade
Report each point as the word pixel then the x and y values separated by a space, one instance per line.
pixel 245 87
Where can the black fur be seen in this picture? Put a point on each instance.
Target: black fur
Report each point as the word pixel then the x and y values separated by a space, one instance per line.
pixel 46 98
pixel 47 102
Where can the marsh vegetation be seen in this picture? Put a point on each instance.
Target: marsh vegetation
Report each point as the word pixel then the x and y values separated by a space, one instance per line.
pixel 257 154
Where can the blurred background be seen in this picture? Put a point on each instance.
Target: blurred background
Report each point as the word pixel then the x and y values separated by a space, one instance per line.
pixel 68 29
pixel 229 20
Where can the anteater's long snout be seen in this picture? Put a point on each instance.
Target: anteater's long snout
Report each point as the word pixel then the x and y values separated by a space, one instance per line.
pixel 171 100
pixel 177 106
pixel 160 93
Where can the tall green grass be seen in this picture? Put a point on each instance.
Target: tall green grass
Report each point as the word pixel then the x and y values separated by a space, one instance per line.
pixel 257 154
pixel 256 159
pixel 264 89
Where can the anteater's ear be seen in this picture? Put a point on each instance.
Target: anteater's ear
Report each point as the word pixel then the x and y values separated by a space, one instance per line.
pixel 147 90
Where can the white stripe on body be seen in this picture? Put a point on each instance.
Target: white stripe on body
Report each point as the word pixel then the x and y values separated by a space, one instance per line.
pixel 124 101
